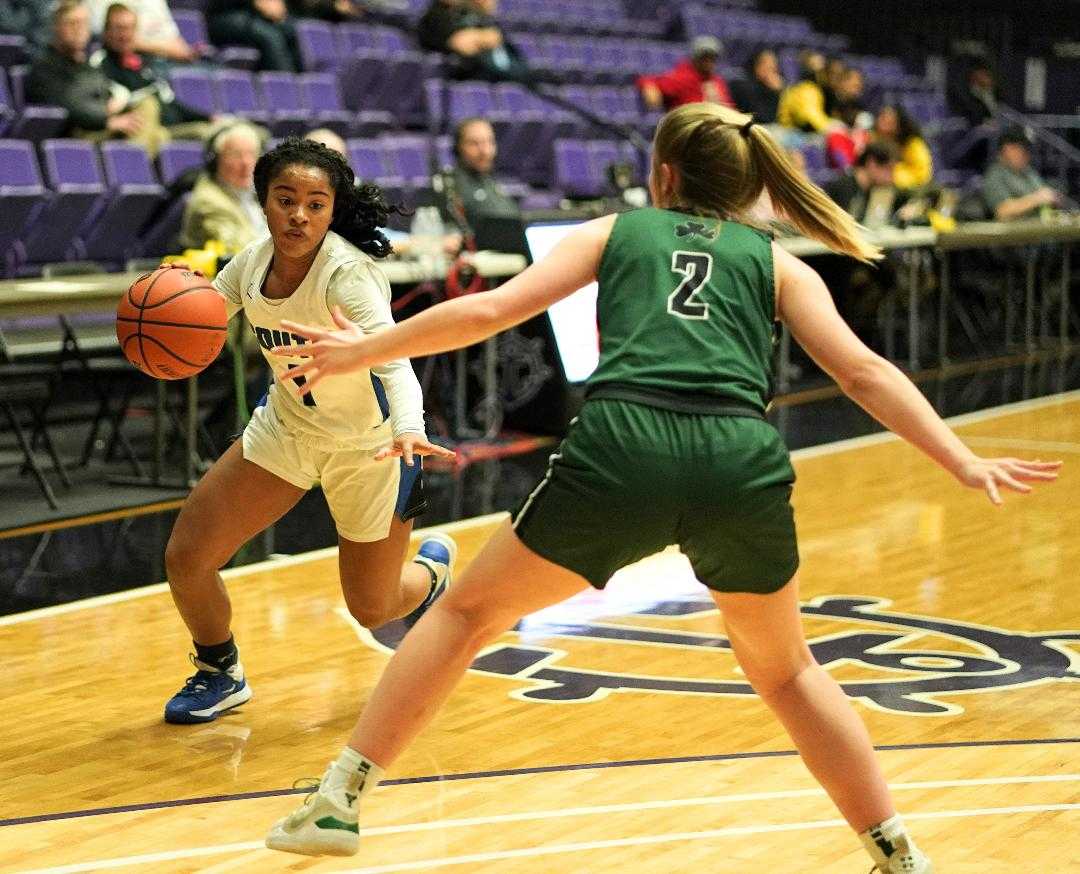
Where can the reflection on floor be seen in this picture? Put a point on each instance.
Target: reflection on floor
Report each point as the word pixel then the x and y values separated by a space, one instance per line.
pixel 53 567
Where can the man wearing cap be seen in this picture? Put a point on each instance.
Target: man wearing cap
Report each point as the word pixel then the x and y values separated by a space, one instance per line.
pixel 692 80
pixel 1011 187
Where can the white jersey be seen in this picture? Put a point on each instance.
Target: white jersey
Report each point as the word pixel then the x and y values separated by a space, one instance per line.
pixel 360 410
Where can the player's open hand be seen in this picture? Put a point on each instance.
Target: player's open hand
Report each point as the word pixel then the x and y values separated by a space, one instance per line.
pixel 328 351
pixel 990 474
pixel 409 445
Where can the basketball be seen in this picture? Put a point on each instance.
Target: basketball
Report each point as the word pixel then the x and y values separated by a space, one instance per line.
pixel 171 323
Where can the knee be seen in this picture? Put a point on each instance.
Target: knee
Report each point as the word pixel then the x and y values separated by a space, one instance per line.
pixel 774 678
pixel 481 620
pixel 372 614
pixel 185 557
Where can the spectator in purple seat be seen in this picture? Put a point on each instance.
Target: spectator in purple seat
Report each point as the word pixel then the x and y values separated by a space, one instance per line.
pixel 802 105
pixel 1012 188
pixel 132 72
pixel 830 78
pixel 977 101
pixel 29 19
pixel 156 33
pixel 223 205
pixel 759 93
pixel 261 24
pixel 915 165
pixel 469 32
pixel 469 190
pixel 328 10
pixel 692 80
pixel 63 77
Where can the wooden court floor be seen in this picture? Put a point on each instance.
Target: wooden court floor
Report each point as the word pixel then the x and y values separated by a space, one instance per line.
pixel 610 734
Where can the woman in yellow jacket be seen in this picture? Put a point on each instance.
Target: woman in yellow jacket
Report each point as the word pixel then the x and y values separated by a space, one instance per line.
pixel 915 167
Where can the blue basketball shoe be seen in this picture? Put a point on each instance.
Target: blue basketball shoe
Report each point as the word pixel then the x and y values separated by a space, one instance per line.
pixel 207 693
pixel 437 553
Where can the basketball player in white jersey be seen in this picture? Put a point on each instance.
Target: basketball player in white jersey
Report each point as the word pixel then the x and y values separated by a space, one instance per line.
pixel 319 255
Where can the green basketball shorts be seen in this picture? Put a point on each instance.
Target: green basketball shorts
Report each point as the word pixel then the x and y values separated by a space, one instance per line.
pixel 630 480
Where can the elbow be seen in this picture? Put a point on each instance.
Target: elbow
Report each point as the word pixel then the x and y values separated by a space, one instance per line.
pixel 862 377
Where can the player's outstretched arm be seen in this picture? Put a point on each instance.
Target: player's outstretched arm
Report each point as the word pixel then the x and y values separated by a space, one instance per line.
pixel 454 324
pixel 880 388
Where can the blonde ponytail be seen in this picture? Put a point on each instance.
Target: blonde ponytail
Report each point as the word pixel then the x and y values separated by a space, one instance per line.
pixel 799 200
pixel 724 162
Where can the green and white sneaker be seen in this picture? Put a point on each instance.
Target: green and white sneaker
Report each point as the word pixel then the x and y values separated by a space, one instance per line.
pixel 324 825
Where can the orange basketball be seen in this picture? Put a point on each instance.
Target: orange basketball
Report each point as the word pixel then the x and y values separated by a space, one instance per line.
pixel 171 323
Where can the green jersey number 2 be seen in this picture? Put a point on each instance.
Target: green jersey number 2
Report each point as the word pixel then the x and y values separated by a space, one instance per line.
pixel 695 269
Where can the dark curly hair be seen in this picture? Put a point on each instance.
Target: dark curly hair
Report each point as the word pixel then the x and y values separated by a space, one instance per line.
pixel 907 127
pixel 359 209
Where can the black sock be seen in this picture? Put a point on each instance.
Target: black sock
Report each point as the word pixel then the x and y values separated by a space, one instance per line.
pixel 221 655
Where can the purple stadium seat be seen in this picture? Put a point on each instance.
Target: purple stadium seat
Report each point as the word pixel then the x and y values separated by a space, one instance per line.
pixel 194 87
pixel 323 99
pixel 236 95
pixel 74 175
pixel 179 156
pixel 409 157
pixel 391 82
pixel 318 48
pixel 21 189
pixel 32 122
pixel 371 163
pixel 284 104
pixel 134 194
pixel 192 25
pixel 573 170
pixel 12 50
pixel 160 239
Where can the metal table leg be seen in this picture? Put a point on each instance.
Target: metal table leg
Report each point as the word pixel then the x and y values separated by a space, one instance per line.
pixel 943 310
pixel 1029 303
pixel 913 312
pixel 1063 315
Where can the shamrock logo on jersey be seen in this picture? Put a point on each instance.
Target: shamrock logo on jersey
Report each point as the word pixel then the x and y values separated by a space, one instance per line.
pixel 695 229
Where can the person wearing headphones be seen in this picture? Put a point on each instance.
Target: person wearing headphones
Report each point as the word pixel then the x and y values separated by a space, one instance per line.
pixel 223 205
pixel 469 190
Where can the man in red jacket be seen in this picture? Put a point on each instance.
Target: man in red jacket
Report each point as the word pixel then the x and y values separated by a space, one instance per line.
pixel 692 80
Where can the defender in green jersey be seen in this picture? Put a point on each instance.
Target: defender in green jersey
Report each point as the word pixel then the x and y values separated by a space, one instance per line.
pixel 671 447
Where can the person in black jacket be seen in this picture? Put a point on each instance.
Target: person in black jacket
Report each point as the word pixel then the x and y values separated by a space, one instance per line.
pixel 136 74
pixel 62 77
pixel 759 93
pixel 328 10
pixel 262 24
pixel 468 30
pixel 28 19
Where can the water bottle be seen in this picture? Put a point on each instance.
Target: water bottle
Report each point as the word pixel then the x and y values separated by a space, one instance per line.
pixel 426 233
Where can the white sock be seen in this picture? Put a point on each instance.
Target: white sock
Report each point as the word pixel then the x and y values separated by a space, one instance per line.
pixel 886 838
pixel 353 776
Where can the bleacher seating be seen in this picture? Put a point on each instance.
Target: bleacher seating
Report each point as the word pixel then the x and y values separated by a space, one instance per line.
pixel 370 82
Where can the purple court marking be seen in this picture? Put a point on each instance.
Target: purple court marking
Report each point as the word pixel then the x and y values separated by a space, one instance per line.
pixel 515 772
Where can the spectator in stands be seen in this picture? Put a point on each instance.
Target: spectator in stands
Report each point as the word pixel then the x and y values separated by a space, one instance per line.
pixel 261 24
pixel 328 10
pixel 977 100
pixel 759 93
pixel 830 81
pixel 29 19
pixel 802 105
pixel 63 77
pixel 1012 188
pixel 330 139
pixel 692 80
pixel 873 170
pixel 469 190
pixel 156 32
pixel 848 96
pixel 223 205
pixel 915 166
pixel 132 74
pixel 468 31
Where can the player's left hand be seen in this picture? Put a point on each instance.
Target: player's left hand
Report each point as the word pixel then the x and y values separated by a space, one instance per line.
pixel 408 445
pixel 327 351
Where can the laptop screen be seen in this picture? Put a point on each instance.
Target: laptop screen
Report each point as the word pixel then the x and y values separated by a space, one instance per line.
pixel 573 319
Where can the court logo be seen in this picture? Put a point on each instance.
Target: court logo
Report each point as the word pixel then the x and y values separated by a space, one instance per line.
pixel 905 673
